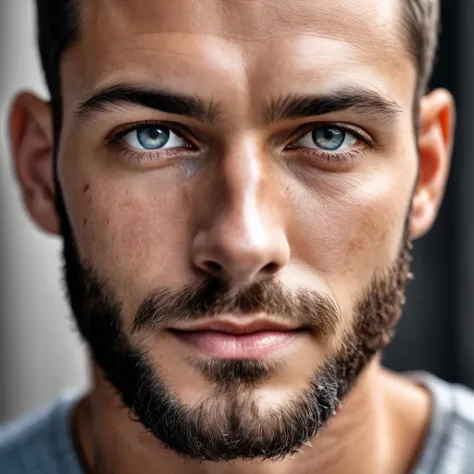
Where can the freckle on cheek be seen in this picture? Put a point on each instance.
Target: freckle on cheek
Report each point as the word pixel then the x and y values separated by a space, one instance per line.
pixel 87 187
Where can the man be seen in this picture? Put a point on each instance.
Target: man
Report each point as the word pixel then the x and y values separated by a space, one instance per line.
pixel 237 185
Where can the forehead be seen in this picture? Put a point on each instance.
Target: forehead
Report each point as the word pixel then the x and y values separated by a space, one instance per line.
pixel 247 20
pixel 263 44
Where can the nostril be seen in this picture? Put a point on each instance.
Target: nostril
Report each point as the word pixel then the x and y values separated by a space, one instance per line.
pixel 213 266
pixel 270 268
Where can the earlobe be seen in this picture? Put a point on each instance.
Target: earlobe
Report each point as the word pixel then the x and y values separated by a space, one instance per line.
pixel 32 140
pixel 437 118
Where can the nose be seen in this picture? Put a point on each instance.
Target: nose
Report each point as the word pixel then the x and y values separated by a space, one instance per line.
pixel 241 237
pixel 241 248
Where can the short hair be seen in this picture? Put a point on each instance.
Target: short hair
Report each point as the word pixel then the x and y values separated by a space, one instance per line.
pixel 58 29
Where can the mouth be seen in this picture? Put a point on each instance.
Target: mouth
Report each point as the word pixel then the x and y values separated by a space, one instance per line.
pixel 237 339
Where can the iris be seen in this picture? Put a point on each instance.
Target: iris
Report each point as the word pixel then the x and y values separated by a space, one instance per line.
pixel 153 138
pixel 329 138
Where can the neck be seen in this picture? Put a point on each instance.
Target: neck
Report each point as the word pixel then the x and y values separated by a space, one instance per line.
pixel 379 429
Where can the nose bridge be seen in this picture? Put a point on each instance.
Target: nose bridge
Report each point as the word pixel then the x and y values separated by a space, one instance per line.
pixel 245 222
pixel 244 237
pixel 245 194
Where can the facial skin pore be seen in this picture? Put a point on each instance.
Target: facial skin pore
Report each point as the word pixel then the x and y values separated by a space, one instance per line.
pixel 243 196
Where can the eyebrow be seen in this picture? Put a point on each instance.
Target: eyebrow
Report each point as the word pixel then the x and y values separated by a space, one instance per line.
pixel 101 100
pixel 367 102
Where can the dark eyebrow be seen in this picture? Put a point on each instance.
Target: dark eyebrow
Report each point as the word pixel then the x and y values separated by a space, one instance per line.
pixel 162 100
pixel 364 101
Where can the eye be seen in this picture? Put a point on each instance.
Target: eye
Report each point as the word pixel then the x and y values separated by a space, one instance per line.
pixel 153 137
pixel 327 138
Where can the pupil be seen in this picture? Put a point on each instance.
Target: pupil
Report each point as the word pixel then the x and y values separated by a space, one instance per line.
pixel 154 133
pixel 329 133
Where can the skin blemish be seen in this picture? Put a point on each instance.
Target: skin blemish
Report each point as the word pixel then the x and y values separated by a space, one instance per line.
pixel 87 187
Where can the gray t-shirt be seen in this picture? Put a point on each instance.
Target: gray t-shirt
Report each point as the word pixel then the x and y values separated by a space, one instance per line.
pixel 41 443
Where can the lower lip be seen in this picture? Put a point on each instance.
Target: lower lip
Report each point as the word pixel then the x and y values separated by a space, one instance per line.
pixel 223 345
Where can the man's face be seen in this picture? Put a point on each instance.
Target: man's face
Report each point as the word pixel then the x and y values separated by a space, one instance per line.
pixel 265 176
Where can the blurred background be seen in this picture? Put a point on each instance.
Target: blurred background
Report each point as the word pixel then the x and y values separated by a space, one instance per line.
pixel 40 352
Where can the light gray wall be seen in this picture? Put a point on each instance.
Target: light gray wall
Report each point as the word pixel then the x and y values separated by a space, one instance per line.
pixel 40 353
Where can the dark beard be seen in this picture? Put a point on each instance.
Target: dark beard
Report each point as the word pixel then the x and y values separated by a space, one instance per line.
pixel 218 431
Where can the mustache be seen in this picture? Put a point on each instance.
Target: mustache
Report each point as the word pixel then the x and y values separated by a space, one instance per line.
pixel 166 306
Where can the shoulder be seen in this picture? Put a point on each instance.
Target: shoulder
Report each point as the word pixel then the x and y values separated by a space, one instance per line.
pixel 40 442
pixel 453 403
pixel 463 406
pixel 449 446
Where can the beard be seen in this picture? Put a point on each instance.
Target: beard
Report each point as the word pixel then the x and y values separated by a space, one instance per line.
pixel 228 425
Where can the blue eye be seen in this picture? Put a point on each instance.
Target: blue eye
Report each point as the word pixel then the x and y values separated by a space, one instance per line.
pixel 153 137
pixel 327 138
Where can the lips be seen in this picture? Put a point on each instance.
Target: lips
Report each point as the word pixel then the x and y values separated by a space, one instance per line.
pixel 237 339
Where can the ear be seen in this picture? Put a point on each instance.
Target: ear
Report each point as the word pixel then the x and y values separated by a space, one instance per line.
pixel 435 140
pixel 31 135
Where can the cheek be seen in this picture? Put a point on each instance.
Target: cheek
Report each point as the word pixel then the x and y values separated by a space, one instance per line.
pixel 134 238
pixel 353 228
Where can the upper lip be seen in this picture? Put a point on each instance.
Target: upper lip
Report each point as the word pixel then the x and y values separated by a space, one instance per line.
pixel 238 327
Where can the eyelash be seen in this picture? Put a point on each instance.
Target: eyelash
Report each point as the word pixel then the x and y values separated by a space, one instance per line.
pixel 115 140
pixel 345 157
